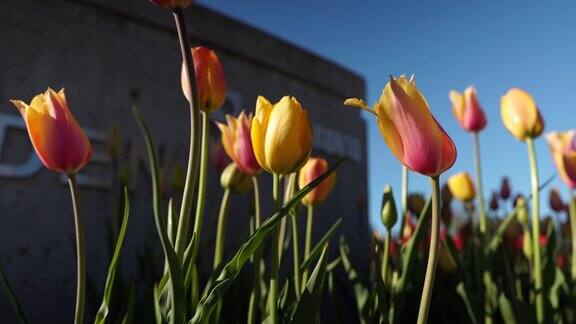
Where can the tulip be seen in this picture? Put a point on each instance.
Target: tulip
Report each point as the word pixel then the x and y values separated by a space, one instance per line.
pixel 58 140
pixel 521 210
pixel 233 179
pixel 310 171
pixel 494 204
pixel 467 110
pixel 505 190
pixel 563 148
pixel 237 143
pixel 416 202
pixel 462 186
pixel 281 135
pixel 172 4
pixel 218 157
pixel 556 202
pixel 409 128
pixel 521 115
pixel 210 79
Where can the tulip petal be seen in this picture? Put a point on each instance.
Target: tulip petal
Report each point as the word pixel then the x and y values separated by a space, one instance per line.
pixel 258 129
pixel 282 145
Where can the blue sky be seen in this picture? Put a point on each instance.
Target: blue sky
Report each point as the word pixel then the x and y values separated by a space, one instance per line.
pixel 447 45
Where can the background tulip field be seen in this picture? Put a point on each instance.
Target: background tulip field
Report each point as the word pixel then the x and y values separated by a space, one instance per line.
pixel 462 250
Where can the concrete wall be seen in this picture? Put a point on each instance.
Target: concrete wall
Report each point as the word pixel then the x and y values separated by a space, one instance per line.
pixel 111 55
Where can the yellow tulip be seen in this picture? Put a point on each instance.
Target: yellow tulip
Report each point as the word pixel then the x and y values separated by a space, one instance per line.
pixel 520 114
pixel 281 135
pixel 462 186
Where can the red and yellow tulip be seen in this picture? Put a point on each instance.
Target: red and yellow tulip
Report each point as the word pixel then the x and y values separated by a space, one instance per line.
pixel 237 143
pixel 409 128
pixel 520 114
pixel 281 135
pixel 172 4
pixel 210 79
pixel 309 172
pixel 563 148
pixel 467 110
pixel 59 141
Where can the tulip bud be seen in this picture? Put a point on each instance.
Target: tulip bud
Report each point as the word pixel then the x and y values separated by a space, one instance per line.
pixel 563 149
pixel 467 110
pixel 505 190
pixel 60 143
pixel 520 114
pixel 114 141
pixel 125 175
pixel 210 79
pixel 462 186
pixel 389 213
pixel 172 4
pixel 235 180
pixel 416 203
pixel 556 202
pixel 281 135
pixel 494 204
pixel 314 168
pixel 218 157
pixel 521 210
pixel 409 128
pixel 237 143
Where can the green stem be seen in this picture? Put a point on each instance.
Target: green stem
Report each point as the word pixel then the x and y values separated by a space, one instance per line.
pixel 80 252
pixel 573 230
pixel 193 156
pixel 255 294
pixel 404 197
pixel 308 243
pixel 274 272
pixel 536 232
pixel 433 253
pixel 386 256
pixel 289 191
pixel 479 185
pixel 201 199
pixel 295 253
pixel 221 229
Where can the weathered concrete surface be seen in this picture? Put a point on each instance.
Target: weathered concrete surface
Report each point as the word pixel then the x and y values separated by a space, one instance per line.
pixel 111 55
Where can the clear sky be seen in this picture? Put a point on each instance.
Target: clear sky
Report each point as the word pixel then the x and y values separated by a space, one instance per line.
pixel 493 45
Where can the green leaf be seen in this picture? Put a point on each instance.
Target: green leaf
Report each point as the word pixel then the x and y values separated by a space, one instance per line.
pixel 111 277
pixel 461 290
pixel 506 310
pixel 169 252
pixel 158 317
pixel 360 292
pixel 18 310
pixel 229 273
pixel 308 309
pixel 129 316
pixel 319 247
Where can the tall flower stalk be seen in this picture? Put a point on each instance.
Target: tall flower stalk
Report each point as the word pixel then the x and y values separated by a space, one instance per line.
pixel 193 155
pixel 80 252
pixel 275 258
pixel 479 185
pixel 255 293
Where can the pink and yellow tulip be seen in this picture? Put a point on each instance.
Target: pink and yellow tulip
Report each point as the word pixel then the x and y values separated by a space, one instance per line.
pixel 409 128
pixel 467 110
pixel 309 172
pixel 563 148
pixel 59 141
pixel 237 143
pixel 210 79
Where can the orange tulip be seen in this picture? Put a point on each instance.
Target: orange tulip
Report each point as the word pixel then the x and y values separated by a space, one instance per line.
pixel 409 128
pixel 309 172
pixel 210 79
pixel 467 110
pixel 56 136
pixel 172 4
pixel 521 115
pixel 237 143
pixel 563 148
